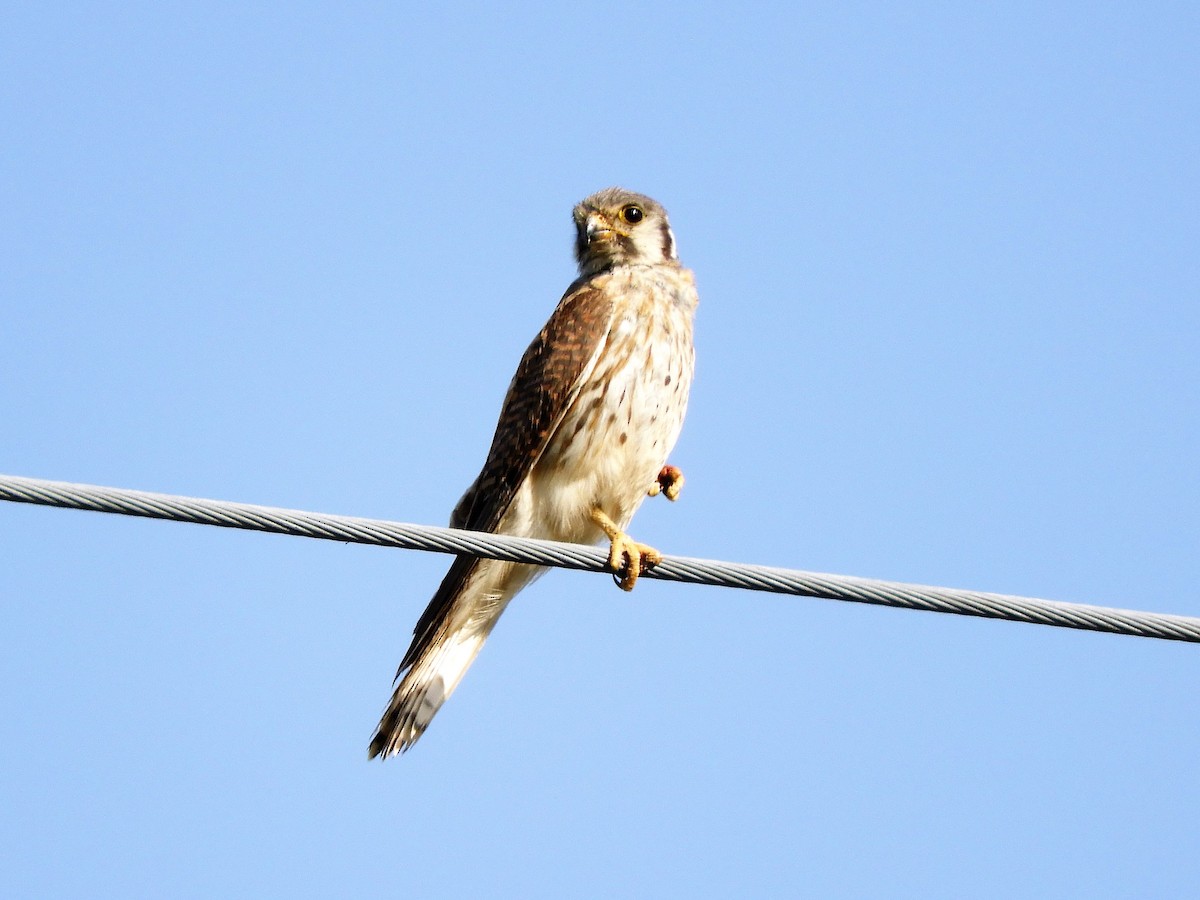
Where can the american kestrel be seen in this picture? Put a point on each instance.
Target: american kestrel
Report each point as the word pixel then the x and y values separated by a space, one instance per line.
pixel 595 406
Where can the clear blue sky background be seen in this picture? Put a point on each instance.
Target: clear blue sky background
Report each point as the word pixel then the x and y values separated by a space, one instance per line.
pixel 949 332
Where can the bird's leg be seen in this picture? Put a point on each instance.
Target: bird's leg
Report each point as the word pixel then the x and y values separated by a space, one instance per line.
pixel 626 557
pixel 669 482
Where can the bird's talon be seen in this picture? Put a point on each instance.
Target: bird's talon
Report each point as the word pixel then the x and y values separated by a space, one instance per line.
pixel 628 560
pixel 670 482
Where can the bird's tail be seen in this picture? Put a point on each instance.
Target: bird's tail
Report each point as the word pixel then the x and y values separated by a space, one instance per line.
pixel 448 638
pixel 422 691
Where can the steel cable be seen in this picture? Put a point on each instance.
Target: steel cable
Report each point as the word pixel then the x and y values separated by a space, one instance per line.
pixel 575 556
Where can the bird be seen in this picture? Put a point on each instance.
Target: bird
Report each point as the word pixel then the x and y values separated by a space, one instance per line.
pixel 587 424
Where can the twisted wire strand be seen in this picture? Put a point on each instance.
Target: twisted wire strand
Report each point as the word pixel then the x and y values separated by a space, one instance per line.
pixel 575 556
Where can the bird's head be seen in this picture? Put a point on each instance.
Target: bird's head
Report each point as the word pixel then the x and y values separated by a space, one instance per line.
pixel 618 227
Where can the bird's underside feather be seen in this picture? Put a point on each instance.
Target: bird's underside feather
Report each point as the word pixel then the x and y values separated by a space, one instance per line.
pixel 474 592
pixel 546 382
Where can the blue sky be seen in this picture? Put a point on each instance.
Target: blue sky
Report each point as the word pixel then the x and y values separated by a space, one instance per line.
pixel 949 330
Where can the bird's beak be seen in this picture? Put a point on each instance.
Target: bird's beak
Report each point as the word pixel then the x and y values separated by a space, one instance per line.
pixel 598 230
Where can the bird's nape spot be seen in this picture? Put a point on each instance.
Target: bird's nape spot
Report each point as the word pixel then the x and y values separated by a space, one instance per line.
pixel 668 241
pixel 624 437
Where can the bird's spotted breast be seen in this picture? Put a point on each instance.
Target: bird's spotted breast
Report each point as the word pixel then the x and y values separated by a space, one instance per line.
pixel 629 411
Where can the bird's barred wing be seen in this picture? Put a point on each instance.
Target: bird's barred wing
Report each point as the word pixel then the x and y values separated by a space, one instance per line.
pixel 546 383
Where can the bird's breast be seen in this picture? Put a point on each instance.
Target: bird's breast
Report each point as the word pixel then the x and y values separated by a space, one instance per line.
pixel 627 415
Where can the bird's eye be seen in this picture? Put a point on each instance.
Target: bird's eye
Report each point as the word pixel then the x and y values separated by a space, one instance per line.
pixel 632 214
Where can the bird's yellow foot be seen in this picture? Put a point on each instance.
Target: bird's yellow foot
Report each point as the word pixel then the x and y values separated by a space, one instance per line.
pixel 626 557
pixel 669 482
